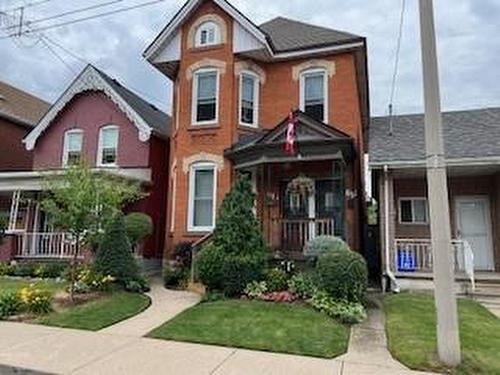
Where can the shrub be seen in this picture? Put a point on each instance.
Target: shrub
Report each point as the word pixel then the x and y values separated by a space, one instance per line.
pixel 175 277
pixel 302 286
pixel 4 223
pixel 344 275
pixel 26 269
pixel 35 300
pixel 88 280
pixel 255 289
pixel 324 244
pixel 138 227
pixel 7 269
pixel 183 254
pixel 114 256
pixel 139 285
pixel 277 280
pixel 237 254
pixel 10 304
pixel 50 270
pixel 344 312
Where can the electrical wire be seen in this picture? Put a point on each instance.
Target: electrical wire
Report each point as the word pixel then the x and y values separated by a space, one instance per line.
pixel 88 18
pixel 28 5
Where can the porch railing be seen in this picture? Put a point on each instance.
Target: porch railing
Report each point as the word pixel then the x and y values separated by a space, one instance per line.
pixel 415 255
pixel 45 245
pixel 293 234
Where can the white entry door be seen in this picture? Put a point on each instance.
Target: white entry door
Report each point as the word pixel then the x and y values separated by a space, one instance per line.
pixel 474 226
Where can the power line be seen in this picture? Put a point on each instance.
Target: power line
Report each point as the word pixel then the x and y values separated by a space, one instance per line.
pixel 121 10
pixel 396 65
pixel 29 5
pixel 64 14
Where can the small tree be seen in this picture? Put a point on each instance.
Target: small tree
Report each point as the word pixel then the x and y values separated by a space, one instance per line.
pixel 237 253
pixel 139 226
pixel 82 202
pixel 114 256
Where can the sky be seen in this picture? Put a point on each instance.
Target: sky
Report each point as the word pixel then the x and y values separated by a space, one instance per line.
pixel 467 32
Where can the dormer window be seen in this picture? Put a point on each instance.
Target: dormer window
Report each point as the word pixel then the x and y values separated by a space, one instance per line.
pixel 207 34
pixel 73 142
pixel 107 153
pixel 314 94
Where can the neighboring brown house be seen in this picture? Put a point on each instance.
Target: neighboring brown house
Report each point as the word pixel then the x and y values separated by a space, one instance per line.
pixel 235 84
pixel 19 113
pixel 397 161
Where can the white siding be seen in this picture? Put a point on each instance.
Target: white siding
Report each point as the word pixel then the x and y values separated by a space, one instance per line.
pixel 243 41
pixel 172 51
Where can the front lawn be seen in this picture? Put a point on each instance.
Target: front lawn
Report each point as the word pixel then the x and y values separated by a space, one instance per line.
pixel 411 332
pixel 99 314
pixel 275 327
pixel 8 284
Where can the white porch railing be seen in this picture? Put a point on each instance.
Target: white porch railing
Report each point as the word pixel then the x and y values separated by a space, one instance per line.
pixel 295 233
pixel 45 245
pixel 415 255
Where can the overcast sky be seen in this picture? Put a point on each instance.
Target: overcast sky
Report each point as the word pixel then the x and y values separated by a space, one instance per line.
pixel 468 41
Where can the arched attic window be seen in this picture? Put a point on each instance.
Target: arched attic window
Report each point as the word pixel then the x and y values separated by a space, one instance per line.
pixel 207 34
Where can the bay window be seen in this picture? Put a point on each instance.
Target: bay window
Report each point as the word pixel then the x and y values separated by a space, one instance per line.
pixel 202 193
pixel 107 152
pixel 314 94
pixel 205 96
pixel 73 142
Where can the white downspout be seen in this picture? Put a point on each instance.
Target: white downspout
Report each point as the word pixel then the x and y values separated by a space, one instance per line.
pixel 393 283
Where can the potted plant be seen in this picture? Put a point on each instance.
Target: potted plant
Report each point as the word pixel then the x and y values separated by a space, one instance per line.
pixel 301 185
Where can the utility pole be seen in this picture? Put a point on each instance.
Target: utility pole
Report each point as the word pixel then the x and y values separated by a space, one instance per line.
pixel 448 340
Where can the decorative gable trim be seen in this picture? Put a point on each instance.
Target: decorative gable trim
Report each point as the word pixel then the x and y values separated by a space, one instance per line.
pixel 89 80
pixel 170 30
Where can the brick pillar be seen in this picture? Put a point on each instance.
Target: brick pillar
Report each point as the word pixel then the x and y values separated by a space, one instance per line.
pixel 7 248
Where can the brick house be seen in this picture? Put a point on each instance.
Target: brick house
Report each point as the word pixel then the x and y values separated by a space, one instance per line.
pixel 19 113
pixel 397 161
pixel 235 84
pixel 100 121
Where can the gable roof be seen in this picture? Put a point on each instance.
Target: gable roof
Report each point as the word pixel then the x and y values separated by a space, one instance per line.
pixel 470 134
pixel 147 118
pixel 21 107
pixel 289 35
pixel 277 36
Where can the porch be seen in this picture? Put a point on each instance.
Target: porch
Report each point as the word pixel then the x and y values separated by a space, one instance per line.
pixel 309 193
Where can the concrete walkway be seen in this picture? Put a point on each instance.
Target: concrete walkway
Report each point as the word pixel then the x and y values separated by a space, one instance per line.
pixel 120 350
pixel 165 305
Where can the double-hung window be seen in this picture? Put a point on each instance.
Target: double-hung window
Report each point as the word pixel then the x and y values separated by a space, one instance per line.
pixel 413 211
pixel 207 34
pixel 314 94
pixel 205 97
pixel 249 99
pixel 107 153
pixel 73 142
pixel 202 192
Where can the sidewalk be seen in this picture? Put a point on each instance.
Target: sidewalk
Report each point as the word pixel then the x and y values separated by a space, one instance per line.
pixel 119 351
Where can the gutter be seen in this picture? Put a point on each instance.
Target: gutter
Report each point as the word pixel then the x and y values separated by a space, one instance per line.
pixel 392 282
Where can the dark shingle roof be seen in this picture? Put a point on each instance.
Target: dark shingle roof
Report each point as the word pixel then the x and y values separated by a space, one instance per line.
pixel 19 105
pixel 158 120
pixel 467 134
pixel 290 35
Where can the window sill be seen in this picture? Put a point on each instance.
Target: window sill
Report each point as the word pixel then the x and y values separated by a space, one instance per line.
pixel 198 49
pixel 196 127
pixel 191 233
pixel 252 128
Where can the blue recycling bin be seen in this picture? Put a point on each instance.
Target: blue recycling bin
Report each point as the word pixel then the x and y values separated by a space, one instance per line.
pixel 407 260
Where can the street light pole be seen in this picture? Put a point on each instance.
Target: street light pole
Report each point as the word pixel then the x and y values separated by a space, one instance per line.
pixel 446 304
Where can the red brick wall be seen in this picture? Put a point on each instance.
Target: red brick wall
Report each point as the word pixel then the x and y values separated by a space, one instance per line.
pixel 7 248
pixel 89 112
pixel 279 94
pixel 13 154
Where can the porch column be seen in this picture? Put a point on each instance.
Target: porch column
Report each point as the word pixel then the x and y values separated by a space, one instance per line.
pixel 496 223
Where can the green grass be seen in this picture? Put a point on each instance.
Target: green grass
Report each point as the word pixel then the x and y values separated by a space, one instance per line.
pixel 274 327
pixel 411 331
pixel 99 314
pixel 8 284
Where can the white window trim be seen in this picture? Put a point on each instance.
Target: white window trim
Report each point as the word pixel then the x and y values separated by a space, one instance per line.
pixel 194 97
pixel 66 144
pixel 192 173
pixel 256 98
pixel 99 162
pixel 413 222
pixel 325 89
pixel 200 28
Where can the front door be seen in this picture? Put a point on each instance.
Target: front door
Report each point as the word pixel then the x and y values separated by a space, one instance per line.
pixel 474 226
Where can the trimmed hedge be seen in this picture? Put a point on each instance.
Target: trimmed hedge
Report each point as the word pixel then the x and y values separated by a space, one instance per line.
pixel 343 275
pixel 324 244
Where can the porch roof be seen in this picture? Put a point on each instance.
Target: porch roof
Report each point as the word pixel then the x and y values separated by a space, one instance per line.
pixel 315 141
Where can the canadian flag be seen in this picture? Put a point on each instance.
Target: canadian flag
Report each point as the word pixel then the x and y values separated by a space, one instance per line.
pixel 291 135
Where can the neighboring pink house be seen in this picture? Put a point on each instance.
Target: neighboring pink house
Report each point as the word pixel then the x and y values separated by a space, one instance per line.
pixel 100 121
